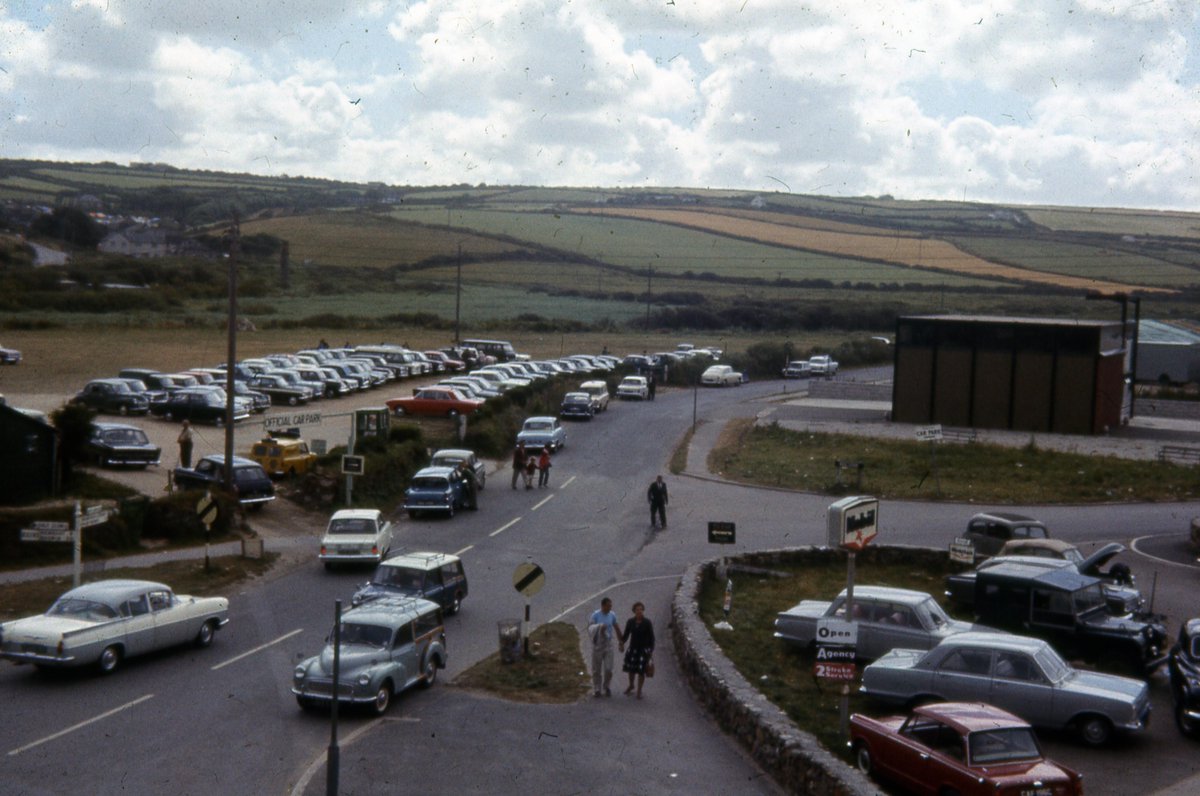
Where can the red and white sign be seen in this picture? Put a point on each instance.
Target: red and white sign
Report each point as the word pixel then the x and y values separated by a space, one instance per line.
pixel 835 671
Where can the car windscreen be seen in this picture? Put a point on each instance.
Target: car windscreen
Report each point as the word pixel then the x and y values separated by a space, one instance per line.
pixel 1053 666
pixel 355 633
pixel 539 425
pixel 1089 598
pixel 125 436
pixel 398 578
pixel 246 475
pixel 1003 745
pixel 445 461
pixel 354 525
pixel 76 608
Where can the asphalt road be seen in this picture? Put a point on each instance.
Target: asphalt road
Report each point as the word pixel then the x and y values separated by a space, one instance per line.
pixel 222 720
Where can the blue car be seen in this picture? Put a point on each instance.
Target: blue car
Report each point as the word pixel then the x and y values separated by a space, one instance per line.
pixel 435 489
pixel 538 432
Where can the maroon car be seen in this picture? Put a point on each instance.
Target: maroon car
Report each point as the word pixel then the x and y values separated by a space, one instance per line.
pixel 959 747
pixel 434 401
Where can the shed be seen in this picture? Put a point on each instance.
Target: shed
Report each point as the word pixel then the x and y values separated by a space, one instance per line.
pixel 28 457
pixel 1168 353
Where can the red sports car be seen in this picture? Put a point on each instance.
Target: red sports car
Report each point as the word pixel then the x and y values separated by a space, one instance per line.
pixel 959 747
pixel 434 401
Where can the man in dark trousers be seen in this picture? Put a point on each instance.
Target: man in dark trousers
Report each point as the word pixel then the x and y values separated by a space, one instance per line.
pixel 518 463
pixel 657 495
pixel 650 383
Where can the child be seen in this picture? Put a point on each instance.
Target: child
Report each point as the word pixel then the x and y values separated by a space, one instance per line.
pixel 544 467
pixel 530 469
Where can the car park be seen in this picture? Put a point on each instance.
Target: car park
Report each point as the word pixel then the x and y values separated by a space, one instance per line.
pixel 886 618
pixel 960 587
pixel 1070 610
pixel 323 380
pixel 435 489
pixel 598 390
pixel 251 484
pixel 965 748
pixel 112 396
pixel 283 456
pixel 633 387
pixel 720 376
pixel 439 577
pixel 577 405
pixel 797 369
pixel 989 531
pixel 453 457
pixel 434 402
pixel 542 432
pixel 448 362
pixel 116 445
pixel 102 623
pixel 1184 670
pixel 153 379
pixel 385 646
pixel 1020 674
pixel 355 536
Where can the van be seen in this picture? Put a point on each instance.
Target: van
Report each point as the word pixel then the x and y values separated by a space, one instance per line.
pixel 502 350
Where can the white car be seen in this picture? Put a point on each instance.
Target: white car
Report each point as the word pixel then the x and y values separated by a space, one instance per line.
pixel 823 365
pixel 599 392
pixel 356 536
pixel 720 376
pixel 633 387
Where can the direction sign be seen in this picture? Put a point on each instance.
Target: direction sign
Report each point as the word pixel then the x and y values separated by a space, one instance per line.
pixel 528 578
pixel 835 671
pixel 43 535
pixel 44 525
pixel 93 518
pixel 271 422
pixel 722 533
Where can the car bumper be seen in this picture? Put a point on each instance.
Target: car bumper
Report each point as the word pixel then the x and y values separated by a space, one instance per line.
pixel 351 558
pixel 427 507
pixel 322 692
pixel 39 658
pixel 254 500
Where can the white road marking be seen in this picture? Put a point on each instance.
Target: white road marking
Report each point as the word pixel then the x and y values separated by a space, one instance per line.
pixel 1134 546
pixel 542 502
pixel 612 586
pixel 505 527
pixel 80 725
pixel 302 784
pixel 568 481
pixel 259 648
pixel 464 550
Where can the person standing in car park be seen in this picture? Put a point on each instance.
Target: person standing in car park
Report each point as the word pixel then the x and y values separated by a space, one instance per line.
pixel 186 440
pixel 518 463
pixel 657 495
pixel 543 466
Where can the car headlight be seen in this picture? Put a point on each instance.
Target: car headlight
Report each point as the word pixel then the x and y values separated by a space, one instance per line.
pixel 364 679
pixel 300 673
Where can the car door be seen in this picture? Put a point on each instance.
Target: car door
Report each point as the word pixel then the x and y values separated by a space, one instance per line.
pixel 138 632
pixel 169 625
pixel 404 657
pixel 891 626
pixel 1019 687
pixel 964 675
pixel 909 756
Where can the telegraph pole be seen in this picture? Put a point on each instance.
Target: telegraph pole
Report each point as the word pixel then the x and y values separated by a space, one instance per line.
pixel 457 296
pixel 231 353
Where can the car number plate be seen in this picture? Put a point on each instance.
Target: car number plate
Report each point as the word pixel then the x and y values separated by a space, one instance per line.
pixel 1037 791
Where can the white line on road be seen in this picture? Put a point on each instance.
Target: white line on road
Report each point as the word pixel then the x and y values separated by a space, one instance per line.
pixel 542 502
pixel 1152 557
pixel 464 550
pixel 612 586
pixel 302 784
pixel 569 480
pixel 505 527
pixel 259 648
pixel 80 725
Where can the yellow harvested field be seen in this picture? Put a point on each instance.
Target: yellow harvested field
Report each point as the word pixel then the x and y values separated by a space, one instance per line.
pixel 914 252
pixel 809 222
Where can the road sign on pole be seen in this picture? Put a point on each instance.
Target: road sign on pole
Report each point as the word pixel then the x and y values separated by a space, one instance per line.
pixel 206 509
pixel 528 579
pixel 43 535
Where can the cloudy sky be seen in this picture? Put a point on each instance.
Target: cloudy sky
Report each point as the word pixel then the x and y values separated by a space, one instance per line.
pixel 1083 102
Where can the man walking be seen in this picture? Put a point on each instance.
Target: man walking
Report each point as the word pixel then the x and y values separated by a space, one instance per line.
pixel 518 463
pixel 657 495
pixel 605 633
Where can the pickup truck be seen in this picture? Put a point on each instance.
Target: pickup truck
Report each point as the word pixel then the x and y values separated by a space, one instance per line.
pixel 823 365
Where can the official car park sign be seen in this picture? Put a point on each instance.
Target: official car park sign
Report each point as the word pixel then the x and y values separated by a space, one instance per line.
pixel 293 420
pixel 929 433
pixel 722 533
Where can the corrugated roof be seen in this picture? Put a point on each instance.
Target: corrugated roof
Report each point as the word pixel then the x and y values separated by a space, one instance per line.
pixel 1163 333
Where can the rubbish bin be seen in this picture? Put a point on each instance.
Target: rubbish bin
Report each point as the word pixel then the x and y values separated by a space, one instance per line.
pixel 510 640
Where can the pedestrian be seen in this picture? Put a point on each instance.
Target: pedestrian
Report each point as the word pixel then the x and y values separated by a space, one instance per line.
pixel 543 466
pixel 650 384
pixel 657 495
pixel 186 440
pixel 639 658
pixel 470 485
pixel 518 462
pixel 603 629
pixel 531 466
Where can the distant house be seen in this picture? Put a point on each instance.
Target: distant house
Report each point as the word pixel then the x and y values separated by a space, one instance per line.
pixel 140 241
pixel 1168 353
pixel 28 456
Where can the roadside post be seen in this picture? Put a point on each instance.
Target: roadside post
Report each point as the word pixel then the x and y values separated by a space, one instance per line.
pixel 333 757
pixel 724 533
pixel 528 580
pixel 68 532
pixel 206 510
pixel 852 524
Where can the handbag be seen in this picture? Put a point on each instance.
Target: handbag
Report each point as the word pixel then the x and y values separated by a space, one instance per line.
pixel 650 668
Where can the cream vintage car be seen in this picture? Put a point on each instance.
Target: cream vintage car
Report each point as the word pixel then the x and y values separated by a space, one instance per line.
pixel 356 536
pixel 104 622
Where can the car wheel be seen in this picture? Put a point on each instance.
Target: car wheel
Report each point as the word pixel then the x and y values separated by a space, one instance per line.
pixel 399 410
pixel 1095 730
pixel 862 758
pixel 109 659
pixel 383 699
pixel 450 509
pixel 122 410
pixel 205 636
pixel 219 421
pixel 1188 726
pixel 482 481
pixel 429 672
pixel 455 605
pixel 293 400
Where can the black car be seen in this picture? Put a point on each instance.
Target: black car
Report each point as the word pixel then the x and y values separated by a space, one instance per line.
pixel 198 405
pixel 115 444
pixel 279 390
pixel 1184 667
pixel 577 404
pixel 250 481
pixel 153 379
pixel 112 396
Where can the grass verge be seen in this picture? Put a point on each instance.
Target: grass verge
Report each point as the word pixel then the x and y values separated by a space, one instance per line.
pixel 901 469
pixel 553 672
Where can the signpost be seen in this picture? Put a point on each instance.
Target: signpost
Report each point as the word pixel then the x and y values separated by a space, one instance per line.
pixel 528 580
pixel 852 524
pixel 207 510
pixel 962 551
pixel 932 435
pixel 57 531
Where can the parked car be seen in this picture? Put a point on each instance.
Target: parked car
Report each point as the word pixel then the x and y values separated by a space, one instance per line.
pixel 259 401
pixel 539 432
pixel 153 379
pixel 1118 574
pixel 199 405
pixel 720 376
pixel 9 356
pixel 887 618
pixel 797 369
pixel 577 404
pixel 960 587
pixel 281 456
pixel 598 390
pixel 434 402
pixel 251 484
pixel 452 457
pixel 633 387
pixel 436 489
pixel 448 363
pixel 967 748
pixel 279 390
pixel 355 536
pixel 104 622
pixel 1020 674
pixel 139 387
pixel 1184 669
pixel 989 531
pixel 823 365
pixel 112 396
pixel 115 444
pixel 439 577
pixel 1070 610
pixel 385 647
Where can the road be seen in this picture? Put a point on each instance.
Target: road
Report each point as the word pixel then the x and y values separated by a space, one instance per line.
pixel 222 720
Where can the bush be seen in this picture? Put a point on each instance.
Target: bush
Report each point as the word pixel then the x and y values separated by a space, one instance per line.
pixel 173 518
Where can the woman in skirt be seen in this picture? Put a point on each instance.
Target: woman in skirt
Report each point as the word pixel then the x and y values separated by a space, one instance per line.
pixel 639 635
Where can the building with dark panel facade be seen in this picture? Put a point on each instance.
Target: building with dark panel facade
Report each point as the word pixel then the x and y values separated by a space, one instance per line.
pixel 1026 374
pixel 28 457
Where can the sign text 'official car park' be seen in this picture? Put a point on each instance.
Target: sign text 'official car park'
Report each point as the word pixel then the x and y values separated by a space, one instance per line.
pixel 929 433
pixel 275 422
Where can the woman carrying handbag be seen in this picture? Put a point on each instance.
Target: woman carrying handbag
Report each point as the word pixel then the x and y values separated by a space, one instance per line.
pixel 639 660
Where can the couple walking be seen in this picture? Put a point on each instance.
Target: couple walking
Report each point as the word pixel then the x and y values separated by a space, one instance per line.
pixel 638 636
pixel 526 464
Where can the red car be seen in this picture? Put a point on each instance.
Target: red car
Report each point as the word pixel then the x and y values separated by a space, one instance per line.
pixel 959 747
pixel 448 362
pixel 435 402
